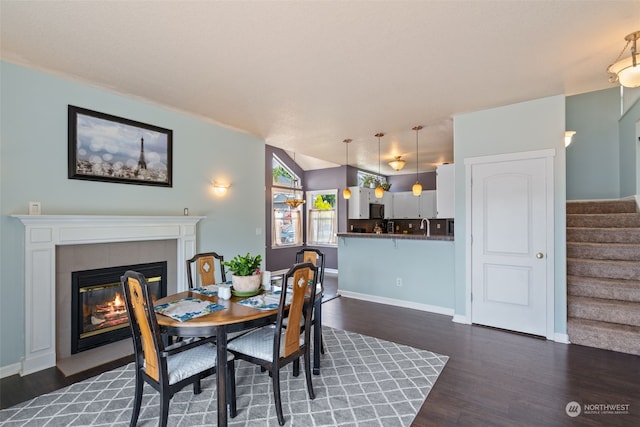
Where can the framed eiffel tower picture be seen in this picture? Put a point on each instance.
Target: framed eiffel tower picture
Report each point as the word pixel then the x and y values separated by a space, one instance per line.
pixel 103 147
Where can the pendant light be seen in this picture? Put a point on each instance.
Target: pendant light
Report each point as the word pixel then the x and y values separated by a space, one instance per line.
pixel 346 193
pixel 417 187
pixel 379 189
pixel 295 201
pixel 627 71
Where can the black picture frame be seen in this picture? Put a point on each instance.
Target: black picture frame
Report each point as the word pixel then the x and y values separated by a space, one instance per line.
pixel 107 148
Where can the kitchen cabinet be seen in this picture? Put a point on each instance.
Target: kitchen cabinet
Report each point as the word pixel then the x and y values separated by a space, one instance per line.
pixel 445 191
pixel 358 204
pixel 408 206
pixel 360 199
pixel 427 204
pixel 405 205
pixel 387 200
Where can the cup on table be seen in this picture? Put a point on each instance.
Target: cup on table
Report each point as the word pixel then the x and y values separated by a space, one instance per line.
pixel 266 280
pixel 224 291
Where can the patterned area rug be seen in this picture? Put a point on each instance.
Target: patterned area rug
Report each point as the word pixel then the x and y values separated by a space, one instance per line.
pixel 363 381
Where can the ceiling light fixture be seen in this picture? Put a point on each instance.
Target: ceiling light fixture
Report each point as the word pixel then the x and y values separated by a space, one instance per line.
pixel 417 187
pixel 568 137
pixel 627 71
pixel 397 163
pixel 294 201
pixel 346 193
pixel 379 190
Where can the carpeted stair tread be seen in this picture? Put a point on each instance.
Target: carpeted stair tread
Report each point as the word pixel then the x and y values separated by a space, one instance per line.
pixel 603 235
pixel 619 220
pixel 629 270
pixel 608 336
pixel 604 251
pixel 603 274
pixel 624 290
pixel 601 206
pixel 605 310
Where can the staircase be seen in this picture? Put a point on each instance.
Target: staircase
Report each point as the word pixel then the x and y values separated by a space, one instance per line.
pixel 603 275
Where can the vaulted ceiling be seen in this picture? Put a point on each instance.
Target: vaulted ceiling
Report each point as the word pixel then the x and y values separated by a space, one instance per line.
pixel 304 76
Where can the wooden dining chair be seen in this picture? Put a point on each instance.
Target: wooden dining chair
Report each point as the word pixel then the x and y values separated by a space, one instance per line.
pixel 274 346
pixel 317 258
pixel 204 264
pixel 167 369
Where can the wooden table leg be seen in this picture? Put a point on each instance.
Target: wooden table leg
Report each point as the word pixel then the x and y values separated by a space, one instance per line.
pixel 317 335
pixel 221 374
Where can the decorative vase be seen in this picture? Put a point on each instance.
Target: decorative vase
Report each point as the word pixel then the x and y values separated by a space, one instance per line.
pixel 246 283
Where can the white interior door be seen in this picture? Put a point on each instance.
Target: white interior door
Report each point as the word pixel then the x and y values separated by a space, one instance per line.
pixel 509 252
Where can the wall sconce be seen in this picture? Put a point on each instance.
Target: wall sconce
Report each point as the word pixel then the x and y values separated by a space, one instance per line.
pixel 220 189
pixel 568 137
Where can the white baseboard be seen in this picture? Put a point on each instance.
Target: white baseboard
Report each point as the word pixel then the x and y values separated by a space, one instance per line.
pixel 459 318
pixel 397 302
pixel 561 338
pixel 7 371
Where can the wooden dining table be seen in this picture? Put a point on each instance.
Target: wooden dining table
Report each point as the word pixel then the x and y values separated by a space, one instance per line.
pixel 234 317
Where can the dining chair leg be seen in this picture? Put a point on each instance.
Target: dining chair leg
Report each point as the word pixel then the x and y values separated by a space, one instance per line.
pixel 197 388
pixel 296 368
pixel 276 395
pixel 137 400
pixel 164 408
pixel 307 373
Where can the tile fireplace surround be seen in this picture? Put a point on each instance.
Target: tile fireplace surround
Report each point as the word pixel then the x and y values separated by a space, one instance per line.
pixel 44 232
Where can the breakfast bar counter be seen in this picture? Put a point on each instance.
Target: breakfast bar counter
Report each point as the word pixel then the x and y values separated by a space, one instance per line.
pixel 396 236
pixel 410 270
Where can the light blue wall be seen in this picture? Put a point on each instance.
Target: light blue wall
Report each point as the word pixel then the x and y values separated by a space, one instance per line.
pixel 593 158
pixel 33 167
pixel 629 152
pixel 371 266
pixel 527 126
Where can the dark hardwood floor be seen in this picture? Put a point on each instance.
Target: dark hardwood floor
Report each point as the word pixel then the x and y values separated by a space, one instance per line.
pixel 492 378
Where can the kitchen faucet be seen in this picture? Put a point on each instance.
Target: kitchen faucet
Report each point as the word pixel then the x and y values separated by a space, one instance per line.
pixel 428 227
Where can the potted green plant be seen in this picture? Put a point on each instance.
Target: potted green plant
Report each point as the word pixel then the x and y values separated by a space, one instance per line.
pixel 246 275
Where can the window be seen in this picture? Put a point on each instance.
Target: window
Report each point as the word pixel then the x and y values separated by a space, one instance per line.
pixel 282 175
pixel 322 217
pixel 366 179
pixel 286 222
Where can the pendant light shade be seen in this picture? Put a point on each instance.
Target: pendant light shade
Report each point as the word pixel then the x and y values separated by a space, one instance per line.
pixel 379 190
pixel 346 193
pixel 417 187
pixel 627 70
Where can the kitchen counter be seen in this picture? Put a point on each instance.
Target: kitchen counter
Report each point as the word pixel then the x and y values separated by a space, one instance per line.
pixel 396 236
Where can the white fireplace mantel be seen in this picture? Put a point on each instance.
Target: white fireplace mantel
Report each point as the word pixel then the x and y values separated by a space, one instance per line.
pixel 44 232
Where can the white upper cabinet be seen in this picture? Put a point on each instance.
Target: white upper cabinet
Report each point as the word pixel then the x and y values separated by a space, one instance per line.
pixel 358 203
pixel 427 207
pixel 445 191
pixel 405 205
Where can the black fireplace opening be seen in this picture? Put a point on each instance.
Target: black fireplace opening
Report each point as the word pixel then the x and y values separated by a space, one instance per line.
pixel 98 312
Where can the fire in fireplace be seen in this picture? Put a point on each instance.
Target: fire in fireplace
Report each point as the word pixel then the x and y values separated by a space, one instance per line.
pixel 98 313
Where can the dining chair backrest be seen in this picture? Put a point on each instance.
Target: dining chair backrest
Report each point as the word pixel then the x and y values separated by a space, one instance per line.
pixel 203 267
pixel 304 278
pixel 144 325
pixel 314 256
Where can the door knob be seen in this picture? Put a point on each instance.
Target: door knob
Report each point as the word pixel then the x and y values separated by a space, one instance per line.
pixel 539 255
